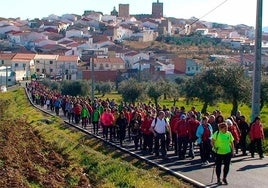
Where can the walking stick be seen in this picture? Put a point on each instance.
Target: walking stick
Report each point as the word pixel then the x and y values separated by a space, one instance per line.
pixel 213 171
pixel 214 166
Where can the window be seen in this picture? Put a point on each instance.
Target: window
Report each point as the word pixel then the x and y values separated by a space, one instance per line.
pixel 196 68
pixel 2 62
pixel 189 68
pixel 51 62
pixel 107 65
pixel 16 64
pixel 37 61
pixel 50 70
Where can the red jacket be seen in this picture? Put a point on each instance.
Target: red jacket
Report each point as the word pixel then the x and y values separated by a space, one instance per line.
pixel 256 131
pixel 77 109
pixel 193 124
pixel 233 129
pixel 107 119
pixel 182 128
pixel 145 126
pixel 174 124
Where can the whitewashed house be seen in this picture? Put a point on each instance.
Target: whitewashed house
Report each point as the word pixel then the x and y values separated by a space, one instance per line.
pixel 67 67
pixel 22 65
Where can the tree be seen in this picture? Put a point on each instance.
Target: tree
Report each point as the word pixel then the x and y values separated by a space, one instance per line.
pixel 75 88
pixel 154 91
pixel 264 92
pixel 131 90
pixel 104 87
pixel 236 86
pixel 174 92
pixel 203 87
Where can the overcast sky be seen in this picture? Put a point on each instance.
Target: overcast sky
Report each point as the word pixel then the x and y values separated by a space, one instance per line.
pixel 230 11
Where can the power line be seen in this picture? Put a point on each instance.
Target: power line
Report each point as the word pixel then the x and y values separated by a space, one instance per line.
pixel 219 5
pixel 212 10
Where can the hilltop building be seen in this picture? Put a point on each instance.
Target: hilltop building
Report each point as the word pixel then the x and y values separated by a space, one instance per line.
pixel 114 12
pixel 157 9
pixel 124 10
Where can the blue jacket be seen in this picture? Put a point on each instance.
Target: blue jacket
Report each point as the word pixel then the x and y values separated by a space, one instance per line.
pixel 200 131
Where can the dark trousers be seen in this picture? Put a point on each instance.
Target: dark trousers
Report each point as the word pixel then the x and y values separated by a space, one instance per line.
pixel 148 142
pixel 137 141
pixel 205 150
pixel 191 148
pixel 106 130
pixel 182 146
pixel 57 110
pixel 162 139
pixel 175 142
pixel 226 160
pixel 95 127
pixel 84 122
pixel 77 118
pixel 122 134
pixel 243 143
pixel 256 142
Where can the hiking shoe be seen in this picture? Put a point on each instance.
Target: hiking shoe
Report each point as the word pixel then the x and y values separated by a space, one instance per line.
pixel 219 182
pixel 225 181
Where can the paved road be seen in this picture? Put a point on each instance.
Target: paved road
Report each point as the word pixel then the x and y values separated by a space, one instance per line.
pixel 244 172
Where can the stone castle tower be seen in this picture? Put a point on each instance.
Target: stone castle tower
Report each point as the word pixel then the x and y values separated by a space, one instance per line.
pixel 124 10
pixel 157 9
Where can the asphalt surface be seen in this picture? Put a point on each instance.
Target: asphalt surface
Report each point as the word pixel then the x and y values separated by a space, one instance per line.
pixel 244 171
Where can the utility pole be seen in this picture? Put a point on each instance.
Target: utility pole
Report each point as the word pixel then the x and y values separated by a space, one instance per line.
pixel 256 89
pixel 6 77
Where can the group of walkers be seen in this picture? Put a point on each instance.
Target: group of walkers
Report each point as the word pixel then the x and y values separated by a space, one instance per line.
pixel 156 130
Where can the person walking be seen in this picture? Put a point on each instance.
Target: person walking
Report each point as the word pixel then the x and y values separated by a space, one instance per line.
pixel 183 136
pixel 256 134
pixel 244 128
pixel 159 127
pixel 147 134
pixel 223 146
pixel 84 116
pixel 107 120
pixel 122 123
pixel 95 120
pixel 204 134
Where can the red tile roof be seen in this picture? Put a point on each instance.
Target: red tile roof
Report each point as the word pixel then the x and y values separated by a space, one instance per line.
pixel 7 56
pixel 67 58
pixel 109 60
pixel 21 56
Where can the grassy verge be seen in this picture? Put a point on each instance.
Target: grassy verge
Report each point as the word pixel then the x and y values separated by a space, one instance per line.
pixel 80 158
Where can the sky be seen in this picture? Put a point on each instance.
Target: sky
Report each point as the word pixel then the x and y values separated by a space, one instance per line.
pixel 230 12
